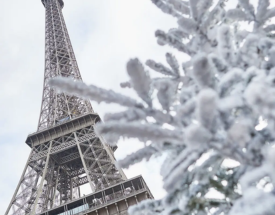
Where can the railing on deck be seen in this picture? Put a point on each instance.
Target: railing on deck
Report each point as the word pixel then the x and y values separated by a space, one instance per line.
pixel 102 198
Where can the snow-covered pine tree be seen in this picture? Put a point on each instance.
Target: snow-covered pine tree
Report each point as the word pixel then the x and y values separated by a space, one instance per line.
pixel 219 105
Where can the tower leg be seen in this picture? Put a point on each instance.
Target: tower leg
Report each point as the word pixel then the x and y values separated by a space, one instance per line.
pixel 55 188
pixel 28 192
pixel 19 184
pixel 42 181
pixel 84 164
pixel 48 191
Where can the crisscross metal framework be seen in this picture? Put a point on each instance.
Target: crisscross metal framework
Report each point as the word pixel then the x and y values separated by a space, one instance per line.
pixel 59 61
pixel 66 153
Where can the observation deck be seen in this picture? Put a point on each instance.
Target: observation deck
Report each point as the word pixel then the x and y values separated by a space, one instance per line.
pixel 60 2
pixel 62 128
pixel 113 200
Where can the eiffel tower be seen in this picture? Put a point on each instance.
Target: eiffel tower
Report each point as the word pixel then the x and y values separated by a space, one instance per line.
pixel 65 152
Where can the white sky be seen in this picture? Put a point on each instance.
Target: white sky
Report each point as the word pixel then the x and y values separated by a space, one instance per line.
pixel 105 35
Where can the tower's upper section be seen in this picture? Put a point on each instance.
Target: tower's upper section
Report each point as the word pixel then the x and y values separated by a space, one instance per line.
pixel 60 2
pixel 60 60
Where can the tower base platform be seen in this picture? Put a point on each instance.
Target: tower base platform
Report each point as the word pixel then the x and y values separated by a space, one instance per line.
pixel 114 200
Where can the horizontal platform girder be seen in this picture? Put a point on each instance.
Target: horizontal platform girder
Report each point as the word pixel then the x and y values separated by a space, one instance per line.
pixel 134 188
pixel 67 127
pixel 60 2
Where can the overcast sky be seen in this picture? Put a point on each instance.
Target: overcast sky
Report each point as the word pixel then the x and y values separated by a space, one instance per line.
pixel 105 35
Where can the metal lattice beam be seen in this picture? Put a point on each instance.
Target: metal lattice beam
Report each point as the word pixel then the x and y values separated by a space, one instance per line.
pixel 59 61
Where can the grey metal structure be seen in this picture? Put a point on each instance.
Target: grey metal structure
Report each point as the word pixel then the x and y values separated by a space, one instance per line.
pixel 59 61
pixel 65 151
pixel 113 200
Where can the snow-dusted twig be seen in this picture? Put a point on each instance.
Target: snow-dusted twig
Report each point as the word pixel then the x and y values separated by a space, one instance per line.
pixel 166 8
pixel 159 68
pixel 202 71
pixel 111 131
pixel 188 25
pixel 270 28
pixel 194 9
pixel 179 166
pixel 172 61
pixel 180 6
pixel 133 114
pixel 91 92
pixel 164 39
pixel 144 153
pixel 248 8
pixel 262 10
pixel 236 15
pixel 216 15
pixel 207 108
pixel 203 7
pixel 125 84
pixel 166 92
pixel 140 80
pixel 148 206
pixel 269 14
pixel 225 44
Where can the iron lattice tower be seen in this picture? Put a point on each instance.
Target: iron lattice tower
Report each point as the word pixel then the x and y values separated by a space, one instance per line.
pixel 59 61
pixel 65 152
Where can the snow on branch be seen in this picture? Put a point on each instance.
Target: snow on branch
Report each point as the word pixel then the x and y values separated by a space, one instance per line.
pixel 228 80
pixel 180 6
pixel 136 157
pixel 178 33
pixel 140 80
pixel 125 84
pixel 146 207
pixel 248 8
pixel 184 112
pixel 91 92
pixel 269 14
pixel 194 8
pixel 254 202
pixel 270 28
pixel 158 67
pixel 203 6
pixel 171 40
pixel 172 61
pixel 180 165
pixel 236 15
pixel 133 114
pixel 225 44
pixel 258 100
pixel 203 71
pixel 240 132
pixel 207 108
pixel 196 136
pixel 161 117
pixel 188 25
pixel 166 92
pixel 111 131
pixel 262 9
pixel 214 16
pixel 219 63
pixel 166 8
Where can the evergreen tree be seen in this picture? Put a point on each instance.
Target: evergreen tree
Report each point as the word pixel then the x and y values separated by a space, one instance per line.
pixel 215 108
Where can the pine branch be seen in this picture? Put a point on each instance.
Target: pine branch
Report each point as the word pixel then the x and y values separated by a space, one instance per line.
pixel 91 92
